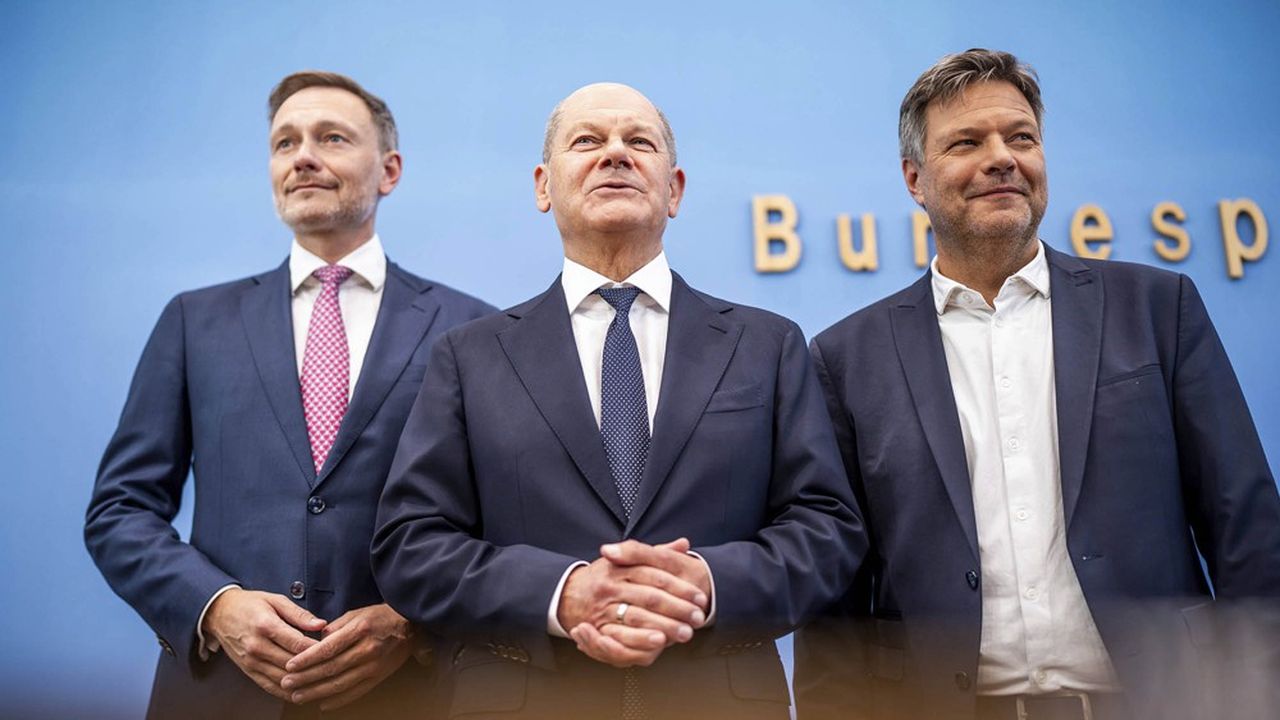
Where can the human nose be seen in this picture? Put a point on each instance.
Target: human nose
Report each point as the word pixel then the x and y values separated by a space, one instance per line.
pixel 616 153
pixel 305 157
pixel 1000 158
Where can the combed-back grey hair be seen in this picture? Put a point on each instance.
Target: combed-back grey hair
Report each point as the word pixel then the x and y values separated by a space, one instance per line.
pixel 388 137
pixel 951 76
pixel 553 126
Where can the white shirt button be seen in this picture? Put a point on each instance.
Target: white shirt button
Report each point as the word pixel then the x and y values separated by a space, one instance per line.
pixel 1014 444
pixel 1041 677
pixel 1032 593
pixel 1022 514
pixel 1006 383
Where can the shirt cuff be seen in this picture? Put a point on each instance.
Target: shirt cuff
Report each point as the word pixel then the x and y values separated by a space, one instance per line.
pixel 711 612
pixel 553 622
pixel 211 646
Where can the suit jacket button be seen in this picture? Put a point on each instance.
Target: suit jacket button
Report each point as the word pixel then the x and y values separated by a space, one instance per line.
pixel 297 590
pixel 962 680
pixel 315 504
pixel 971 577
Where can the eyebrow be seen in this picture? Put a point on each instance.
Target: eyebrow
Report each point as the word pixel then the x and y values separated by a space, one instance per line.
pixel 631 126
pixel 319 126
pixel 966 130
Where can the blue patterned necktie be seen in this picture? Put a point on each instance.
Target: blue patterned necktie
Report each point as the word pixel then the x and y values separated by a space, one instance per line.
pixel 624 414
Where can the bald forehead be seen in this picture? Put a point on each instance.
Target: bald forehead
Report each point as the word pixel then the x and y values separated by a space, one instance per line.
pixel 616 99
pixel 606 97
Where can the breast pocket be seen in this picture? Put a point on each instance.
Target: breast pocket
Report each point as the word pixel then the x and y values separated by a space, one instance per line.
pixel 734 399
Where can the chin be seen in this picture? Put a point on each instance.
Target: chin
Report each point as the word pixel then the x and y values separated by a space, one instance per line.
pixel 620 222
pixel 1003 227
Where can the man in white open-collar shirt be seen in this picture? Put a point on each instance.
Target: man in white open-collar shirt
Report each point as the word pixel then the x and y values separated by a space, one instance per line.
pixel 1044 449
pixel 614 496
pixel 285 393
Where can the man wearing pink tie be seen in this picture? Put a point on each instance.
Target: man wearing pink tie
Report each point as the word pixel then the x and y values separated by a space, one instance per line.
pixel 284 394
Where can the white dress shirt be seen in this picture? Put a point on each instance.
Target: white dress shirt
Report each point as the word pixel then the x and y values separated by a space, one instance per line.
pixel 590 315
pixel 359 299
pixel 1038 636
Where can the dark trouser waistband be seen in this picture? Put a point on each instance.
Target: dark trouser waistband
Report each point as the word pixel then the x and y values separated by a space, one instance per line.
pixel 1075 706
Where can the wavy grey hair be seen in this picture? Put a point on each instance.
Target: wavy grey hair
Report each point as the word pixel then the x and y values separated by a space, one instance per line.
pixel 951 76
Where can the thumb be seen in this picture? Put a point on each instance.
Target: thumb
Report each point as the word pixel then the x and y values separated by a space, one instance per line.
pixel 680 545
pixel 295 615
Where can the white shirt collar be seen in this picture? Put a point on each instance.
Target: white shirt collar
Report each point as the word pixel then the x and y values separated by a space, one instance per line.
pixel 1035 274
pixel 367 262
pixel 654 279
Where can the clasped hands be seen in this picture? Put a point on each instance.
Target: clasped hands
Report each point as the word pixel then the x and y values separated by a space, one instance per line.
pixel 262 633
pixel 635 601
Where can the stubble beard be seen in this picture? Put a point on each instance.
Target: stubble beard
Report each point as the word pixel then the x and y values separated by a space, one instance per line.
pixel 346 212
pixel 997 243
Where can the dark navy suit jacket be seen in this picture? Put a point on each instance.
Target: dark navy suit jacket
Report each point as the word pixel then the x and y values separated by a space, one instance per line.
pixel 1159 459
pixel 217 392
pixel 501 482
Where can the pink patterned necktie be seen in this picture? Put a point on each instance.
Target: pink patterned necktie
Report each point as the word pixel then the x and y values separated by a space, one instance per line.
pixel 325 365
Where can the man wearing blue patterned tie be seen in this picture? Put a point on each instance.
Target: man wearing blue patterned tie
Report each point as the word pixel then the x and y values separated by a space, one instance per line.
pixel 614 496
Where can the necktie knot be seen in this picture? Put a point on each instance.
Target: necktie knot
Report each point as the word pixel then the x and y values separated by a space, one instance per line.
pixel 620 298
pixel 332 274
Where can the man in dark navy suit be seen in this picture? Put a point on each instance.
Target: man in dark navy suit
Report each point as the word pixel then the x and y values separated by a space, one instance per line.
pixel 286 392
pixel 614 496
pixel 1044 448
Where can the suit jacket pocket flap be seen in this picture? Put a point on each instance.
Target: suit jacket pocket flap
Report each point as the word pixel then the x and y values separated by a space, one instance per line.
pixel 887 662
pixel 486 684
pixel 1149 369
pixel 1200 624
pixel 739 398
pixel 758 675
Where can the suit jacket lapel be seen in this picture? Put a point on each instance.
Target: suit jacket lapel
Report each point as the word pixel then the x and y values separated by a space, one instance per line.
pixel 700 342
pixel 1077 299
pixel 268 324
pixel 404 315
pixel 541 349
pixel 924 361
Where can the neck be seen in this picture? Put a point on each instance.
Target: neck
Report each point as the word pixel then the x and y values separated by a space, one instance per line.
pixel 333 245
pixel 984 265
pixel 614 257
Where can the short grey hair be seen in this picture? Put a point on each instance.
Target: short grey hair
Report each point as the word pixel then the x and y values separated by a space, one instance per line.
pixel 951 76
pixel 553 126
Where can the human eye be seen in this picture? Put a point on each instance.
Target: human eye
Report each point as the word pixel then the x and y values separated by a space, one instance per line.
pixel 643 142
pixel 283 143
pixel 333 137
pixel 1026 137
pixel 583 141
pixel 962 143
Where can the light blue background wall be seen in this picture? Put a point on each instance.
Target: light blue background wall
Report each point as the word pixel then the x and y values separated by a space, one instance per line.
pixel 133 166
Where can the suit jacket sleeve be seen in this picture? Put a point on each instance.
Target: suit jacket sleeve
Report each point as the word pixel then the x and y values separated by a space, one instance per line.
pixel 806 555
pixel 831 665
pixel 138 490
pixel 428 556
pixel 1230 492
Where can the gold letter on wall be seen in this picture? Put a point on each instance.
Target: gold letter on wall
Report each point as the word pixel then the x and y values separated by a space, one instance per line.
pixel 1166 227
pixel 856 260
pixel 1084 232
pixel 783 231
pixel 1237 252
pixel 920 227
